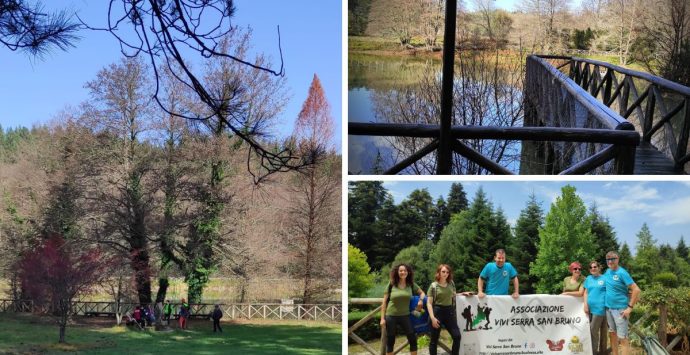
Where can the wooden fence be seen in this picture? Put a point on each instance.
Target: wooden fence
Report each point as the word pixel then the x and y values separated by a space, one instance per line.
pixel 302 312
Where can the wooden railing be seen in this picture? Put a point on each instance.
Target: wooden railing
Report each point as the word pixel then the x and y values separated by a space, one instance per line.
pixel 583 120
pixel 372 315
pixel 320 312
pixel 557 110
pixel 659 108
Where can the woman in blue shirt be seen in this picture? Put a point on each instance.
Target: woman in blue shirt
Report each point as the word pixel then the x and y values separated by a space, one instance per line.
pixel 595 290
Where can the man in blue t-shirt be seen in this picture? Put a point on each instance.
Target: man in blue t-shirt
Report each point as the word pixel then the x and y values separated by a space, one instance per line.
pixel 497 276
pixel 618 305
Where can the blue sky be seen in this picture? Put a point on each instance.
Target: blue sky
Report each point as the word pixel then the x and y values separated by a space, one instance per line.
pixel 663 205
pixel 34 90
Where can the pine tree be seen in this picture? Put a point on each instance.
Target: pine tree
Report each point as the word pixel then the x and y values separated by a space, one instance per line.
pixel 415 215
pixel 523 248
pixel 646 258
pixel 566 237
pixel 604 235
pixel 441 218
pixel 464 242
pixel 457 199
pixel 365 199
pixel 682 250
pixel 626 259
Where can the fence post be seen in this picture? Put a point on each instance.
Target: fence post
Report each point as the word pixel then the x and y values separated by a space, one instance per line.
pixel 444 158
pixel 684 133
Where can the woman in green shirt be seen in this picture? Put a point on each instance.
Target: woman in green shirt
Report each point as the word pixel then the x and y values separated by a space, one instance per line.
pixel 573 284
pixel 395 309
pixel 441 306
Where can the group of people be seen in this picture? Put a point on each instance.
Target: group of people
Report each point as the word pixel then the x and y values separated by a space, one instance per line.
pixel 610 295
pixel 144 315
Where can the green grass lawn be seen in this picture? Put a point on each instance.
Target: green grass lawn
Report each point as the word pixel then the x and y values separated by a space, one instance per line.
pixel 28 334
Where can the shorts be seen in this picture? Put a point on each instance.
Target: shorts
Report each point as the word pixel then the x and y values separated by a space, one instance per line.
pixel 617 324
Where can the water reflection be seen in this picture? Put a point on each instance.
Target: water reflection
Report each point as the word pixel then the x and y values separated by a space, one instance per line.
pixel 487 91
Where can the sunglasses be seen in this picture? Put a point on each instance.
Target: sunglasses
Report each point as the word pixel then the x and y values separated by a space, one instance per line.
pixel 593 267
pixel 612 259
pixel 576 269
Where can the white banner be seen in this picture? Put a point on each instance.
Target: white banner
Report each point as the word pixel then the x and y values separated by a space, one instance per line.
pixel 531 324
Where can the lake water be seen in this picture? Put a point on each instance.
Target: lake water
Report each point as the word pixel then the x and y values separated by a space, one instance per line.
pixel 407 90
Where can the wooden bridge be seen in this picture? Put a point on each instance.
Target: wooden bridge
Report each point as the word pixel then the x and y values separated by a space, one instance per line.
pixel 580 117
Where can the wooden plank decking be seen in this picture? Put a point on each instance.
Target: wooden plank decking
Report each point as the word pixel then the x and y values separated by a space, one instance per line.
pixel 650 161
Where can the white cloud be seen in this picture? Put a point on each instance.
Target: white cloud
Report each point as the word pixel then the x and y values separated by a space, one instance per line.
pixel 624 198
pixel 673 212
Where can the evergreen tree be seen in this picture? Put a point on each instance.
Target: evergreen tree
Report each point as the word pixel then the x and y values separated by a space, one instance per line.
pixel 646 258
pixel 682 250
pixel 387 230
pixel 365 199
pixel 464 242
pixel 500 231
pixel 604 235
pixel 415 215
pixel 667 259
pixel 457 199
pixel 523 247
pixel 566 237
pixel 441 218
pixel 626 259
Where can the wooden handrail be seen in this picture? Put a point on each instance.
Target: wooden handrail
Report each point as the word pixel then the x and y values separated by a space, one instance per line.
pixel 560 134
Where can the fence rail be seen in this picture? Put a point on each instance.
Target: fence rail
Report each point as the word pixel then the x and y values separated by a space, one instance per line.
pixel 305 312
pixel 661 107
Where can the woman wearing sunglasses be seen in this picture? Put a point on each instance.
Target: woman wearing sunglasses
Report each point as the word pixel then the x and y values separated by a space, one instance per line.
pixel 572 285
pixel 595 291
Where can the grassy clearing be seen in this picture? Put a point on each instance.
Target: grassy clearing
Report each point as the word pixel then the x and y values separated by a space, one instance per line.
pixel 28 334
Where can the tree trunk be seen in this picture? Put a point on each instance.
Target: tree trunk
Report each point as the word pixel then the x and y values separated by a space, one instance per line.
pixel 62 334
pixel 142 275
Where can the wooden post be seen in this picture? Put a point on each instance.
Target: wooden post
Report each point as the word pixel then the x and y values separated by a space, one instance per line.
pixel 608 82
pixel 625 94
pixel 649 115
pixel 444 156
pixel 684 133
pixel 661 331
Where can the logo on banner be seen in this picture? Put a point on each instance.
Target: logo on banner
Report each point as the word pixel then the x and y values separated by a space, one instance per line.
pixel 575 345
pixel 555 346
pixel 474 321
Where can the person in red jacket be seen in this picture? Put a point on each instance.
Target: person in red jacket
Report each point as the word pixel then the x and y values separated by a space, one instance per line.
pixel 138 316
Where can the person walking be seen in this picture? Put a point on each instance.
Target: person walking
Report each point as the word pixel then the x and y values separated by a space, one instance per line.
pixel 168 310
pixel 619 284
pixel 595 292
pixel 216 315
pixel 441 307
pixel 183 314
pixel 497 276
pixel 395 309
pixel 572 285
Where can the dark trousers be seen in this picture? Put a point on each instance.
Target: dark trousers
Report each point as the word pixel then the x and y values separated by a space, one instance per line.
pixel 391 324
pixel 446 316
pixel 216 323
